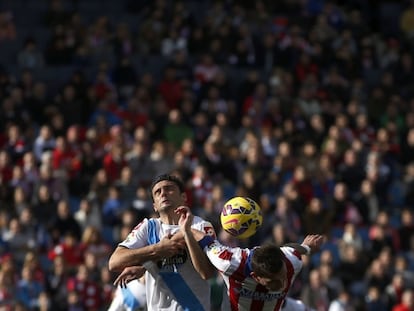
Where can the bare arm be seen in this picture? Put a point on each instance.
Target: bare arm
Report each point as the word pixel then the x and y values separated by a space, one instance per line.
pixel 124 257
pixel 129 274
pixel 200 261
pixel 310 244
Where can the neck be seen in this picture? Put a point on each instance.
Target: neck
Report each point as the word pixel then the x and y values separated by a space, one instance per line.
pixel 169 219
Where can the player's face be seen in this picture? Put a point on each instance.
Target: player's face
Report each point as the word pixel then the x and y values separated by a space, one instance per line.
pixel 273 282
pixel 167 196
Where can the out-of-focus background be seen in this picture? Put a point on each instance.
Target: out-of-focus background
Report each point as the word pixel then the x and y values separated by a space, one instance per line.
pixel 306 106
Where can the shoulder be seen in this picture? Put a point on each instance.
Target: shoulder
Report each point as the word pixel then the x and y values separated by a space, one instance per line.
pixel 145 223
pixel 203 225
pixel 293 256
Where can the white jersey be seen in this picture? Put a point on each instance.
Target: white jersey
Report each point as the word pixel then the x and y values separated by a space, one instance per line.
pixel 244 292
pixel 173 283
pixel 130 298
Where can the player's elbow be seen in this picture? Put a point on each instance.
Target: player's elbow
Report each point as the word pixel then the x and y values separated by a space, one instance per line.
pixel 114 264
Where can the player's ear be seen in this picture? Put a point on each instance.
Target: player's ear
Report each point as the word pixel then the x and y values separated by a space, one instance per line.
pixel 184 196
pixel 154 207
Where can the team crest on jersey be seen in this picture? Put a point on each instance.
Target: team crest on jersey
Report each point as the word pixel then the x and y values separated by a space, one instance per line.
pixel 221 251
pixel 129 237
pixel 216 248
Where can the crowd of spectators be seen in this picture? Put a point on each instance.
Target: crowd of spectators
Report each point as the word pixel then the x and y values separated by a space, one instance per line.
pixel 306 106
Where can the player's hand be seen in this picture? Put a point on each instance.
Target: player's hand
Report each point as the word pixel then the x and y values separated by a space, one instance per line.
pixel 314 241
pixel 129 274
pixel 170 246
pixel 186 218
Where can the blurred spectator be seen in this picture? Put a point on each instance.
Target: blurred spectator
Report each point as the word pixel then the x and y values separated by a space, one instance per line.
pixel 122 42
pixel 113 163
pixel 8 29
pixel 352 268
pixel 395 289
pixel 367 202
pixel 376 275
pixel 99 187
pixel 159 157
pixel 139 163
pixel 407 301
pixel 30 57
pixel 39 237
pixel 112 207
pixel 331 279
pixel 107 286
pixel 59 50
pixel 69 248
pixel 65 161
pixel 57 276
pixel 141 203
pixel 92 242
pixel 374 300
pixel 315 294
pixel 342 303
pixel 44 142
pixel 44 206
pixel 288 218
pixel 7 287
pixel 406 230
pixel 88 214
pixel 409 184
pixel 316 218
pixel 28 289
pixel 382 234
pixel 84 292
pixel 63 223
pixel 19 200
pixel 91 264
pixel 15 145
pixel 18 241
pixel 352 237
pixel 201 186
pixel 173 42
pixel 350 171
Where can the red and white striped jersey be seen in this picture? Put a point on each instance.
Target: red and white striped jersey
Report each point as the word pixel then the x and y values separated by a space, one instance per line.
pixel 244 292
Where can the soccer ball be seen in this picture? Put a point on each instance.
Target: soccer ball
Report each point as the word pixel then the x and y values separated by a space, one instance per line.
pixel 241 217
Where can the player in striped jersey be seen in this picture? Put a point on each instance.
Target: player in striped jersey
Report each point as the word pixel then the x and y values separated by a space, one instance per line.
pixel 256 279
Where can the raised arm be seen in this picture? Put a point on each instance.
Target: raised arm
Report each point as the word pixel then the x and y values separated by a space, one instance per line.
pixel 191 237
pixel 310 244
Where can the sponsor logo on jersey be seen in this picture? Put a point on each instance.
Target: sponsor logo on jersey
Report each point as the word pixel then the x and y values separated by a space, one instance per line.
pixel 246 293
pixel 171 263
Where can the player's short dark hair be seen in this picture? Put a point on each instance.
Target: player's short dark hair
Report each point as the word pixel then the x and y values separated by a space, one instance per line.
pixel 267 259
pixel 168 177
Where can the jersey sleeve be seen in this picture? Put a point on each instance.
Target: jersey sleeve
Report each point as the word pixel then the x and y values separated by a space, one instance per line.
pixel 294 257
pixel 138 237
pixel 226 259
pixel 205 226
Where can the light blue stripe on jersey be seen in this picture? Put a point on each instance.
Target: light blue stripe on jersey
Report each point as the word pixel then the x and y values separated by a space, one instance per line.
pixel 129 299
pixel 173 280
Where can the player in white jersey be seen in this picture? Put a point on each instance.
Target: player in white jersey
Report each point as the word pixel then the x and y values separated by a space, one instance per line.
pixel 258 278
pixel 130 297
pixel 172 281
